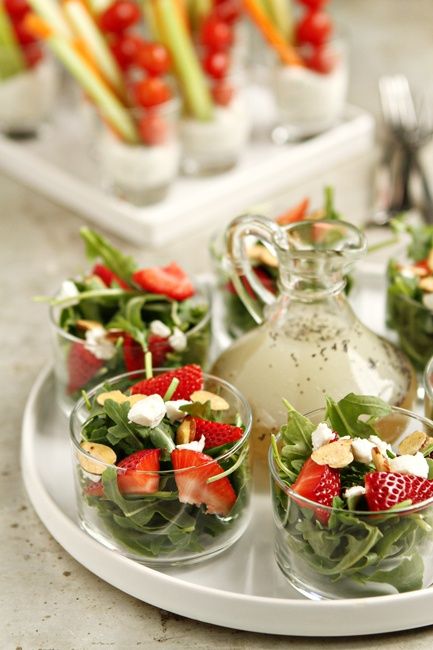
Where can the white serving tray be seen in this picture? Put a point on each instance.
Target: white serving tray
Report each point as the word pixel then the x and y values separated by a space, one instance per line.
pixel 60 165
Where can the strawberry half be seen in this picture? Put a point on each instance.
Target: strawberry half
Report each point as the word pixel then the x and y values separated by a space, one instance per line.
pixel 319 483
pixel 140 476
pixel 216 433
pixel 170 281
pixel 159 347
pixel 386 489
pixel 190 379
pixel 133 353
pixel 192 469
pixel 108 277
pixel 82 367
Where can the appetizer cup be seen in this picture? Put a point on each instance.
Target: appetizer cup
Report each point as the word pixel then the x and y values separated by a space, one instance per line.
pixel 80 365
pixel 142 173
pixel 153 525
pixel 327 552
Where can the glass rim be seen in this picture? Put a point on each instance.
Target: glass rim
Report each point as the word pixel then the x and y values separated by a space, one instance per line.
pixel 426 381
pixel 330 509
pixel 361 241
pixel 238 444
pixel 202 287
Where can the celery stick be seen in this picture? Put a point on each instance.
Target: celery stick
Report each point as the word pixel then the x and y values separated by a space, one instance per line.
pixel 281 14
pixel 110 107
pixel 98 6
pixel 180 45
pixel 11 58
pixel 51 12
pixel 150 19
pixel 92 38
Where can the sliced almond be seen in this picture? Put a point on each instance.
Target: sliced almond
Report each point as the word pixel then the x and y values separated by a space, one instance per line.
pixel 430 260
pixel 379 460
pixel 426 284
pixel 100 452
pixel 412 443
pixel 217 403
pixel 262 255
pixel 116 395
pixel 427 443
pixel 133 399
pixel 418 271
pixel 88 325
pixel 185 431
pixel 335 454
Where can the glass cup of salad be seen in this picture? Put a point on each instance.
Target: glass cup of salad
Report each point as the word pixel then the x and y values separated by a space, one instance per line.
pixel 161 465
pixel 105 321
pixel 353 515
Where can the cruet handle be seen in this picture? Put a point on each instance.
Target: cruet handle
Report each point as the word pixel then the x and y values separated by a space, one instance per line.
pixel 239 265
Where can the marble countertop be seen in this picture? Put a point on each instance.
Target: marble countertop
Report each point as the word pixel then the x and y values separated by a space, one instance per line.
pixel 49 601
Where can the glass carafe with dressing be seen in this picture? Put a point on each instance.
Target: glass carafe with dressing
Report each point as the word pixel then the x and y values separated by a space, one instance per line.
pixel 309 343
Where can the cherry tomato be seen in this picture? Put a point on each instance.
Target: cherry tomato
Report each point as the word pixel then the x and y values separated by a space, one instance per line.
pixel 228 10
pixel 314 28
pixel 154 58
pixel 322 60
pixel 216 34
pixel 33 54
pixel 16 9
pixel 125 48
pixel 151 92
pixel 216 64
pixel 119 16
pixel 24 36
pixel 314 5
pixel 222 93
pixel 153 128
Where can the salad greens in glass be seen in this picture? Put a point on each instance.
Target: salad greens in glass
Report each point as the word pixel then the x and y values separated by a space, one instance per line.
pixel 162 470
pixel 354 516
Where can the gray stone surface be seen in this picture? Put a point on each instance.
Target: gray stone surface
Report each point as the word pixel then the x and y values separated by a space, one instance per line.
pixel 49 601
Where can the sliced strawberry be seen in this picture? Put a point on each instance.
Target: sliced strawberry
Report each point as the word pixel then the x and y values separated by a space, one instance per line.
pixel 216 433
pixel 192 470
pixel 108 277
pixel 170 281
pixel 140 476
pixel 82 367
pixel 386 489
pixel 133 353
pixel 159 347
pixel 190 379
pixel 319 483
pixel 267 281
pixel 94 489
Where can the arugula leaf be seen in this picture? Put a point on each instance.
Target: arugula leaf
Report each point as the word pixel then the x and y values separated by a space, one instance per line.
pixel 198 410
pixel 344 416
pixel 407 576
pixel 99 247
pixel 296 434
pixel 122 431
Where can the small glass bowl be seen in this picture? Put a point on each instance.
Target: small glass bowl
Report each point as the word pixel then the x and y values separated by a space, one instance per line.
pixel 175 533
pixel 141 174
pixel 27 97
pixel 326 553
pixel 93 371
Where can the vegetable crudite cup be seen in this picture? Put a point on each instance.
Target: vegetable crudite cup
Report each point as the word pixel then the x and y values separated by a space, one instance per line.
pixel 353 515
pixel 104 321
pixel 28 76
pixel 161 465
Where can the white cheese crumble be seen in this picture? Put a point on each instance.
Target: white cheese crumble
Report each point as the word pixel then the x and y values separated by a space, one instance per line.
pixel 354 491
pixel 410 464
pixel 173 409
pixel 68 290
pixel 98 344
pixel 194 445
pixel 159 328
pixel 321 435
pixel 362 448
pixel 177 340
pixel 148 412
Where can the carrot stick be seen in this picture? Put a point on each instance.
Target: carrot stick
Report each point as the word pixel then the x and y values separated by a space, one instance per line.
pixel 285 51
pixel 37 26
pixel 297 213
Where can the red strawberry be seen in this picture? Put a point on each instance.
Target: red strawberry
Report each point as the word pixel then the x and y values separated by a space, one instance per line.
pixel 159 347
pixel 190 379
pixel 82 367
pixel 170 281
pixel 108 277
pixel 216 433
pixel 133 353
pixel 94 489
pixel 385 489
pixel 192 469
pixel 140 476
pixel 264 278
pixel 319 483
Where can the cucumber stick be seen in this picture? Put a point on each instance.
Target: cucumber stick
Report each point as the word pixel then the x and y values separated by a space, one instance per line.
pixel 11 58
pixel 85 28
pixel 51 12
pixel 179 43
pixel 110 107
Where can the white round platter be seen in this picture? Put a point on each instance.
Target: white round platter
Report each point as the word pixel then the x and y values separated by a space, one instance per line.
pixel 240 589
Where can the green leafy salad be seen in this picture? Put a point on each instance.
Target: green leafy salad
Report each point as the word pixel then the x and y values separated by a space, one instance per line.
pixel 162 467
pixel 342 500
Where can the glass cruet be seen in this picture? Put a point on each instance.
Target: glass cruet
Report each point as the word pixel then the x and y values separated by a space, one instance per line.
pixel 308 343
